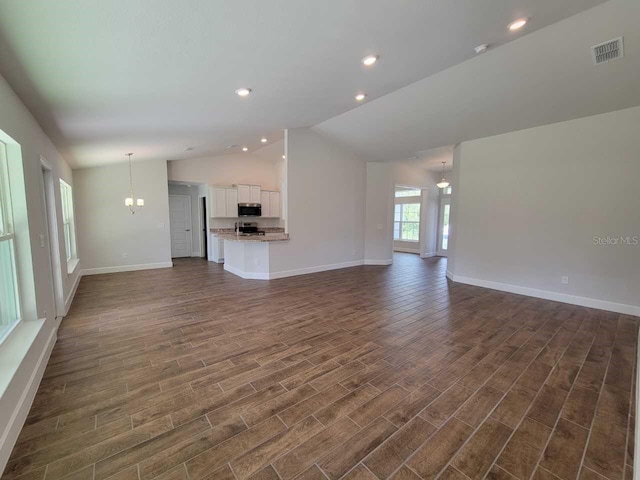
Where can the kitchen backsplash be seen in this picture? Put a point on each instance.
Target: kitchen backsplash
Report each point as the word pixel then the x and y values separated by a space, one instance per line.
pixel 230 222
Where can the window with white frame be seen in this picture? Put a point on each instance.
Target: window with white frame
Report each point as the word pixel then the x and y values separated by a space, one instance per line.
pixel 406 224
pixel 68 223
pixel 9 290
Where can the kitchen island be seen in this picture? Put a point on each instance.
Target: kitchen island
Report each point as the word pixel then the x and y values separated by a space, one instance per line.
pixel 249 256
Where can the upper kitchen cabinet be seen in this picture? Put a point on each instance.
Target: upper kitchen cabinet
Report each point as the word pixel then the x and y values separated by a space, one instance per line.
pixel 223 202
pixel 265 202
pixel 270 204
pixel 274 205
pixel 248 193
pixel 232 202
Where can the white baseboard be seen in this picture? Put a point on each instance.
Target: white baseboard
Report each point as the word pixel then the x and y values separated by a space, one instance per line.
pixel 315 269
pixel 406 250
pixel 19 415
pixel 246 275
pixel 72 293
pixel 549 295
pixel 428 255
pixel 126 268
pixel 389 261
pixel 450 275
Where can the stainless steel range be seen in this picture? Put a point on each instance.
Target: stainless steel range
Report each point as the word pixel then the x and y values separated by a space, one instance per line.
pixel 248 229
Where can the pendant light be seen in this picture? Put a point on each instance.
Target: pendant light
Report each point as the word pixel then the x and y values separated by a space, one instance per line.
pixel 128 202
pixel 443 183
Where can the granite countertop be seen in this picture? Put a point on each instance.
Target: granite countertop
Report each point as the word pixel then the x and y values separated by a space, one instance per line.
pixel 273 237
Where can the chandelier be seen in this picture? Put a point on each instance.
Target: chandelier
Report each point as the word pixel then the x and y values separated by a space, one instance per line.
pixel 128 202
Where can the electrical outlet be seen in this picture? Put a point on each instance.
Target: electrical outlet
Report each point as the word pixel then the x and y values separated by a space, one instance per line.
pixel 256 261
pixel 379 226
pixel 42 242
pixel 125 255
pixel 564 280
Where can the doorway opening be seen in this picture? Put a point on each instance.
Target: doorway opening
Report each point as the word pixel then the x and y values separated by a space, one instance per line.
pixel 406 219
pixel 203 226
pixel 180 225
pixel 188 221
pixel 443 222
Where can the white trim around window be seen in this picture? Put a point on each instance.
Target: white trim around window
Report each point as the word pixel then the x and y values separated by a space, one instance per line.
pixel 69 226
pixel 10 304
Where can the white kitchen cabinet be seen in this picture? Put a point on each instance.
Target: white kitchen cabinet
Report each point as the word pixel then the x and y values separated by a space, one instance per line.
pixel 223 202
pixel 218 202
pixel 217 249
pixel 249 193
pixel 244 194
pixel 232 202
pixel 265 202
pixel 274 204
pixel 255 194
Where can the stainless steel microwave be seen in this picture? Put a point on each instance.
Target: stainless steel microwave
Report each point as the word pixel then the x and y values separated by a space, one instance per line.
pixel 249 210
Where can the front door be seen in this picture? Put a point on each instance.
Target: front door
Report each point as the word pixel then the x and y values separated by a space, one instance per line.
pixel 180 223
pixel 443 230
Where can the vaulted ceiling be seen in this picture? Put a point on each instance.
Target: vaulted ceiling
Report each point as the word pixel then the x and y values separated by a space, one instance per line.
pixel 157 76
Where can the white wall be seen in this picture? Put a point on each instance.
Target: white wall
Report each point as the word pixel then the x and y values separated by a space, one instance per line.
pixel 25 353
pixel 106 228
pixel 528 204
pixel 381 181
pixel 264 167
pixel 326 205
pixel 193 192
pixel 378 245
pixel 260 168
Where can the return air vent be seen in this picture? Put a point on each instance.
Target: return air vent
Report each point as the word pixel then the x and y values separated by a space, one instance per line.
pixel 607 51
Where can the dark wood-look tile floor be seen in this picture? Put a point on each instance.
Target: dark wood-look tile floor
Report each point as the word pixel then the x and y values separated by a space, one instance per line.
pixel 363 373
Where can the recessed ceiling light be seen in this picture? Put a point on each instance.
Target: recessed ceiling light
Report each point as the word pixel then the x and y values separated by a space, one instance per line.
pixel 264 140
pixel 245 149
pixel 370 60
pixel 243 92
pixel 482 48
pixel 361 96
pixel 518 24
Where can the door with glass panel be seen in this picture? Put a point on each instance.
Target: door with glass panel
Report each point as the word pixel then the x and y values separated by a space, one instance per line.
pixel 443 226
pixel 406 219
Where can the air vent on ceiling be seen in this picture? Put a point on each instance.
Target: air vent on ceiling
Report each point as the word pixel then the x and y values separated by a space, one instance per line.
pixel 607 51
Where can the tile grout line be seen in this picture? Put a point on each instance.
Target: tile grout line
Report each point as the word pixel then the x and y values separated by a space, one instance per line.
pixel 543 449
pixel 589 430
pixel 406 460
pixel 595 411
pixel 629 426
pixel 498 403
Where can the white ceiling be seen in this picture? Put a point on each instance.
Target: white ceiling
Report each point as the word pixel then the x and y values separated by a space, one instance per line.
pixel 539 79
pixel 155 76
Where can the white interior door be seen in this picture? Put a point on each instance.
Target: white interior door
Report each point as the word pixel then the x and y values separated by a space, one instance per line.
pixel 180 224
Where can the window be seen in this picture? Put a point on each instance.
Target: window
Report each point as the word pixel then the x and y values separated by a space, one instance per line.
pixel 68 224
pixel 407 192
pixel 445 226
pixel 9 293
pixel 406 224
pixel 447 190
